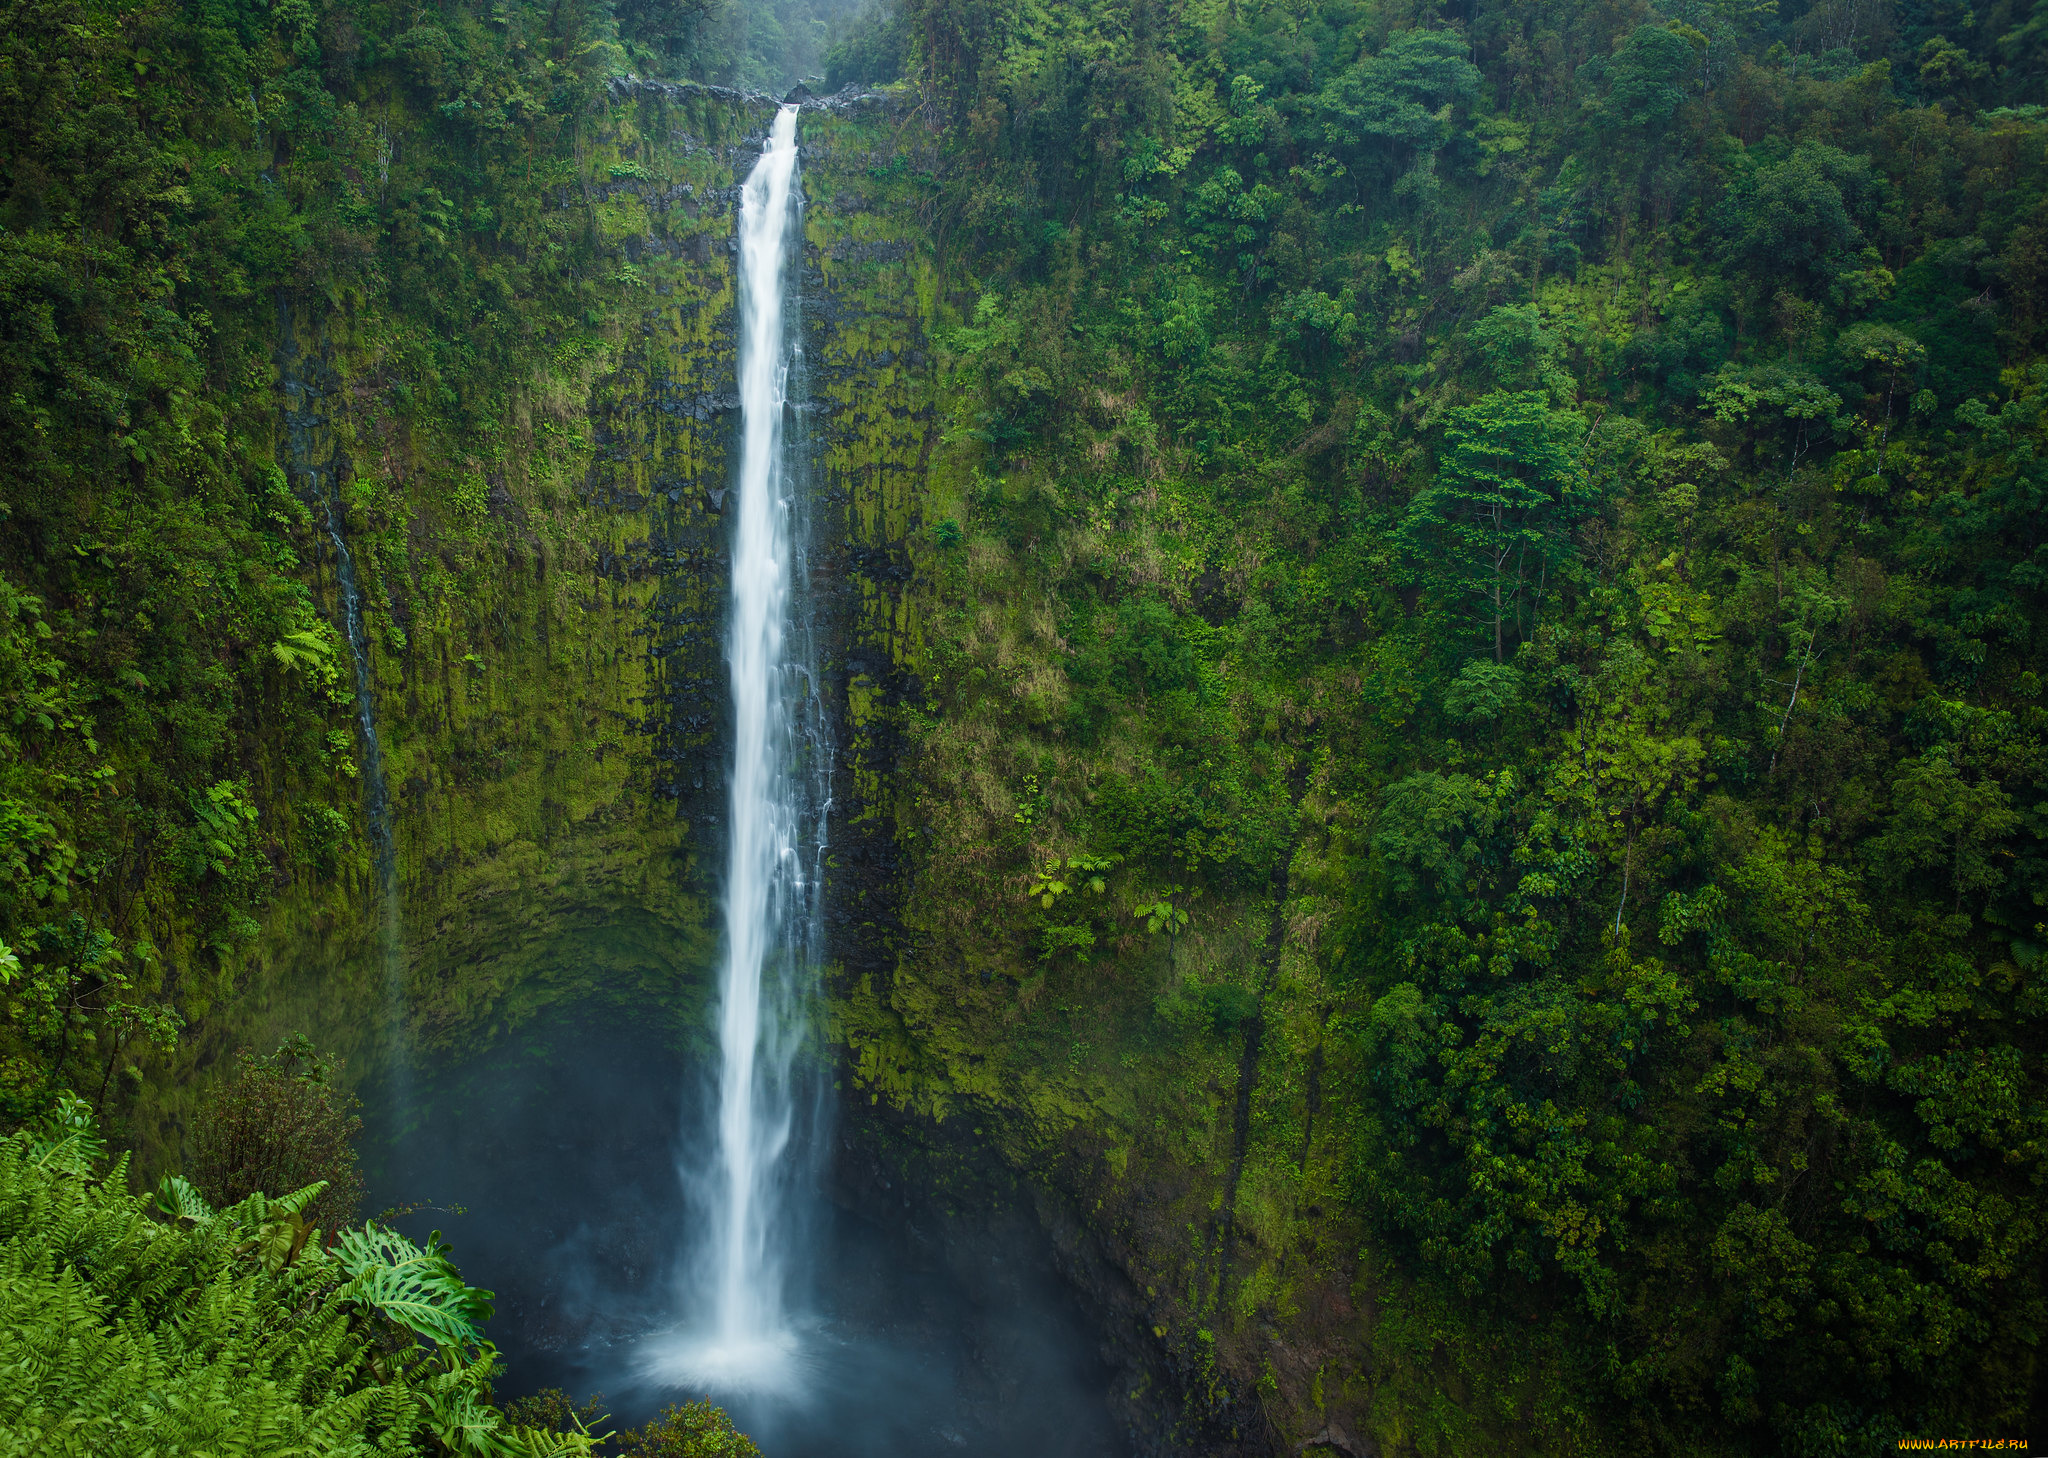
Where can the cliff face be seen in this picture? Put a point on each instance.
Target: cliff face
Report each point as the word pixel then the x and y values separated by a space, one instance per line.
pixel 518 420
pixel 546 660
pixel 513 406
pixel 1439 726
pixel 557 804
pixel 548 687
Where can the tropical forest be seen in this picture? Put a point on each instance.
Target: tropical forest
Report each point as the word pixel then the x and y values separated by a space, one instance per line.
pixel 1043 728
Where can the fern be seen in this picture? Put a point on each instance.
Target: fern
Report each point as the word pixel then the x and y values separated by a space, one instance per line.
pixel 134 1325
pixel 120 1335
pixel 306 649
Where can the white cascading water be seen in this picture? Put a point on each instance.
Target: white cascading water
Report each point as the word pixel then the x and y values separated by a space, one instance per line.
pixel 745 1337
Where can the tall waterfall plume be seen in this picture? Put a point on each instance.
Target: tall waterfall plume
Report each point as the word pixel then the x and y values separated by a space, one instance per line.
pixel 755 1190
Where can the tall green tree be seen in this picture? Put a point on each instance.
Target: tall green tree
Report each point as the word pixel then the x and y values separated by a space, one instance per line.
pixel 1490 534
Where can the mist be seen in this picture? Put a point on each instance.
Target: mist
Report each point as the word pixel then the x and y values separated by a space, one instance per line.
pixel 551 1165
pixel 753 45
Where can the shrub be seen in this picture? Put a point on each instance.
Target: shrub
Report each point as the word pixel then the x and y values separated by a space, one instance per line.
pixel 692 1430
pixel 280 1124
pixel 134 1325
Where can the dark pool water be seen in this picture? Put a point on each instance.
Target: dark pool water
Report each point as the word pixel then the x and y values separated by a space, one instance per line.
pixel 551 1166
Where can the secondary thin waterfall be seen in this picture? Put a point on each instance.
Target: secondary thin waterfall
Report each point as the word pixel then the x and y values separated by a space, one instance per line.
pixel 777 814
pixel 376 809
pixel 306 428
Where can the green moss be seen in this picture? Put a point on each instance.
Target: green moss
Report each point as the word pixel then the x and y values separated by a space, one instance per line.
pixel 516 692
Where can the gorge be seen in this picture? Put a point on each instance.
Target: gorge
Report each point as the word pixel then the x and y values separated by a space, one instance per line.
pixel 1141 728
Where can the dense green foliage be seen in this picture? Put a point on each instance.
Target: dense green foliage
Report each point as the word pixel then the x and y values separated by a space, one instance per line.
pixel 689 1430
pixel 1530 511
pixel 683 1430
pixel 137 1326
pixel 1557 488
pixel 280 1123
pixel 193 200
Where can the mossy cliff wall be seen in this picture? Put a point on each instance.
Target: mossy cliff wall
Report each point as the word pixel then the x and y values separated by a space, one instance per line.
pixel 1155 1104
pixel 545 638
pixel 1154 1100
pixel 543 621
pixel 1656 969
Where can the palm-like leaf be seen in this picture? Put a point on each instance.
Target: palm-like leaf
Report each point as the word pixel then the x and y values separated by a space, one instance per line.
pixel 302 649
pixel 175 1199
pixel 419 1289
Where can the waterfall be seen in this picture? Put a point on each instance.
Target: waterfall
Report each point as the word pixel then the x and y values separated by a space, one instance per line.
pixel 780 761
pixel 305 430
pixel 376 803
pixel 376 798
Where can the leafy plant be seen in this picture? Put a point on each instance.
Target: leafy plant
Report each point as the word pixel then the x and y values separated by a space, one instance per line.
pixel 1076 940
pixel 215 1331
pixel 688 1430
pixel 419 1288
pixel 280 1122
pixel 1049 885
pixel 275 1231
pixel 1163 914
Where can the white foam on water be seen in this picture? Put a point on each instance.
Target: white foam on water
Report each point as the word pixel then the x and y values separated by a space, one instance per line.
pixel 772 1366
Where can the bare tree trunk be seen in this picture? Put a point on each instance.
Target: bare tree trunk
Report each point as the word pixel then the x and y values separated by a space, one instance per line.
pixel 1798 675
pixel 1496 617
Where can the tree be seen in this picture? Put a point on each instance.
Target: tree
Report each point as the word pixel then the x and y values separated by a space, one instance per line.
pixel 1396 105
pixel 1164 914
pixel 1944 820
pixel 1622 761
pixel 278 1124
pixel 1645 79
pixel 1492 525
pixel 1793 224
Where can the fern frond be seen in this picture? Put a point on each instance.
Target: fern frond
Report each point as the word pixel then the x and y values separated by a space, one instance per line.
pixel 124 1335
pixel 260 1209
pixel 296 1202
pixel 303 649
